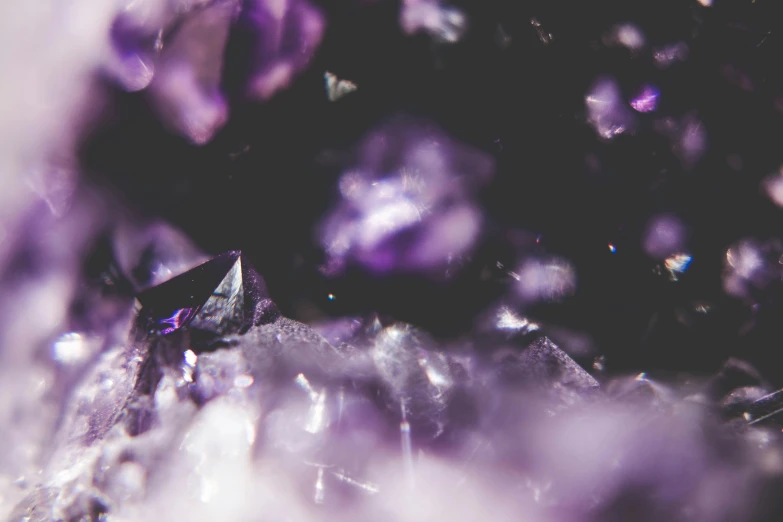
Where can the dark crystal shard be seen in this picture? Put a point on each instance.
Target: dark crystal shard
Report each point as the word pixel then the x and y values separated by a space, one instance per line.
pixel 220 297
pixel 286 348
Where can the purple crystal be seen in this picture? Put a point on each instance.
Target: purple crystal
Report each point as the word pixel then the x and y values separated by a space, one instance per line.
pixel 287 34
pixel 444 23
pixel 406 205
pixel 186 88
pixel 221 296
pixel 646 100
pixel 201 402
pixel 150 254
pixel 606 111
pixel 543 365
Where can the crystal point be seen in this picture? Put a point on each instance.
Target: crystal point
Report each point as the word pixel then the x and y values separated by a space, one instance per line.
pixel 543 364
pixel 222 296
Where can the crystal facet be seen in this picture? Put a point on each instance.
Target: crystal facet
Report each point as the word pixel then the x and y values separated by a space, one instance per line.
pixel 222 296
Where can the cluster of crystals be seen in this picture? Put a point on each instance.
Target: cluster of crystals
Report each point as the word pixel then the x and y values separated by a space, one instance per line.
pixel 407 202
pixel 145 381
pixel 214 406
pixel 175 50
pixel 609 112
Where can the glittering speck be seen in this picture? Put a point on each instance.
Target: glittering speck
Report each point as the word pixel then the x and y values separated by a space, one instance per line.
pixel 546 280
pixel 543 35
pixel 677 264
pixel 445 24
pixel 508 320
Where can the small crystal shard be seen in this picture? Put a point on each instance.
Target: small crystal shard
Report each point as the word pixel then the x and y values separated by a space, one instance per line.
pixel 336 88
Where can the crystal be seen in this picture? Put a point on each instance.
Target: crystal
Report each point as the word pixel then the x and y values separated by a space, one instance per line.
pixel 281 350
pixel 286 34
pixel 407 203
pixel 665 236
pixel 35 507
pixel 186 89
pixel 220 297
pixel 545 279
pixel 211 406
pixel 627 35
pixel 543 365
pixel 668 54
pixel 606 111
pixel 688 138
pixel 646 100
pixel 131 62
pixel 336 88
pixel 445 24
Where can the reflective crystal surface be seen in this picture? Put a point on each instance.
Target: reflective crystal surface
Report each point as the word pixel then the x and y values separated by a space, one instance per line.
pixel 219 297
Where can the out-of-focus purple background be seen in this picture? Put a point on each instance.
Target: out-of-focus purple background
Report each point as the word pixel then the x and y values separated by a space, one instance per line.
pixel 598 117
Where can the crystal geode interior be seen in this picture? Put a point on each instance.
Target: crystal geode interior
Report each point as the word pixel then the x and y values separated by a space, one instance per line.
pixel 499 260
pixel 215 406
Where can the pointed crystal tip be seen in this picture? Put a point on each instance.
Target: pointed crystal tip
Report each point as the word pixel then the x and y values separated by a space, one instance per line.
pixel 220 297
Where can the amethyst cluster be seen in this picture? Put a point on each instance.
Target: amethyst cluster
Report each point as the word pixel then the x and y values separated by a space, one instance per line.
pixel 214 405
pixel 143 378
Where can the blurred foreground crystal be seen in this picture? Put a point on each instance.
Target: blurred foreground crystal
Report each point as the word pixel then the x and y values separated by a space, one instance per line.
pixel 217 407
